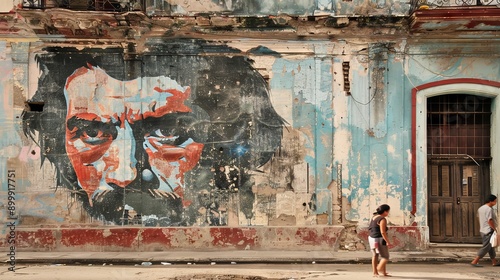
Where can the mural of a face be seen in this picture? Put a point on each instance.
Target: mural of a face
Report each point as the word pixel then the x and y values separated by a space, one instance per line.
pixel 154 134
pixel 104 117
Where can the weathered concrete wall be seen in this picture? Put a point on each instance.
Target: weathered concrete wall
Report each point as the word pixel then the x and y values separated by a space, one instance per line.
pixel 133 131
pixel 184 238
pixel 219 238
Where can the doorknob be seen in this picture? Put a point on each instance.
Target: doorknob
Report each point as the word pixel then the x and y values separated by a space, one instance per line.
pixel 458 200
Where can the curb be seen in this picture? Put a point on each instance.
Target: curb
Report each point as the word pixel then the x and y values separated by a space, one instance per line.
pixel 263 260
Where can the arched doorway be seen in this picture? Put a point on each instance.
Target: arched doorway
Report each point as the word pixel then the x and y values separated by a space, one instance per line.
pixel 455 167
pixel 458 165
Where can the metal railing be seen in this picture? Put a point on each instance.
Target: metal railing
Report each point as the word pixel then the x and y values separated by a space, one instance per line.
pixel 416 4
pixel 460 3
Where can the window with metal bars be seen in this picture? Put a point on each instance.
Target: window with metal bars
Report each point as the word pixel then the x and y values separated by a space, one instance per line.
pixel 459 124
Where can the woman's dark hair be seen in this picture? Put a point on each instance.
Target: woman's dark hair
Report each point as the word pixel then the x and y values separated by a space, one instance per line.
pixel 381 209
pixel 491 198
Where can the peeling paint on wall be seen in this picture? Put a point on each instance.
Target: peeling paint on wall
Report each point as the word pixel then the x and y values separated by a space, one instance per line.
pixel 266 129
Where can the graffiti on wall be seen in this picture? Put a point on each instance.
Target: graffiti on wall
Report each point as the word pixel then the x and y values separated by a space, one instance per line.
pixel 166 138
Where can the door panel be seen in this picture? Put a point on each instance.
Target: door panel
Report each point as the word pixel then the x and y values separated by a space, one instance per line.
pixel 448 220
pixel 441 200
pixel 469 201
pixel 455 193
pixel 434 224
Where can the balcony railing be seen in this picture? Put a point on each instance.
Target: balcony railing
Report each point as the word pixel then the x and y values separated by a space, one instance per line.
pixel 430 4
pixel 453 3
pixel 459 3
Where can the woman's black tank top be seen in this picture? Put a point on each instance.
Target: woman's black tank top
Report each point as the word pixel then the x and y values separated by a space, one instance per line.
pixel 375 227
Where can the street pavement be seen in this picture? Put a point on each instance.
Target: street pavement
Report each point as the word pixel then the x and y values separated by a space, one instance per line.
pixel 236 256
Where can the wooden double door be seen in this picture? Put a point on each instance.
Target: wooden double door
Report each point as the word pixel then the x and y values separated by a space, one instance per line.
pixel 456 189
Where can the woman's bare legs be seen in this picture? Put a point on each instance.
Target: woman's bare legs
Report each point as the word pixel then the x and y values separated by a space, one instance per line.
pixel 382 266
pixel 374 264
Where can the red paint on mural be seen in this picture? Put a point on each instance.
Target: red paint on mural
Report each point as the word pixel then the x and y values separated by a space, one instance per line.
pixel 175 103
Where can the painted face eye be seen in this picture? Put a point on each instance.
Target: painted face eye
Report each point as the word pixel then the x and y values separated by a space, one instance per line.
pixel 94 136
pixel 161 133
pixel 164 137
pixel 91 132
pixel 172 138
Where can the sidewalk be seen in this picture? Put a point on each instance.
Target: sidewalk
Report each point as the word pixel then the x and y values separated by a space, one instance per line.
pixel 227 257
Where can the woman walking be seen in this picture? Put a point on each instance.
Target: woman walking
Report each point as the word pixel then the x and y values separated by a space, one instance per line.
pixel 379 241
